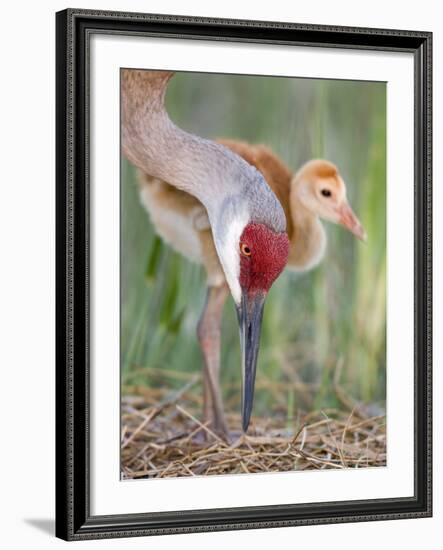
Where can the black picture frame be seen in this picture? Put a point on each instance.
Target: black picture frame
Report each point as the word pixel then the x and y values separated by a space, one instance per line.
pixel 74 28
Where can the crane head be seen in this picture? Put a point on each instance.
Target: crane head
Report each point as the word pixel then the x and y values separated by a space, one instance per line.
pixel 253 255
pixel 322 190
pixel 263 256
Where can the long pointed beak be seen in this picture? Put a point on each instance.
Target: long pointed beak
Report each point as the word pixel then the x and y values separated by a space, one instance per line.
pixel 250 314
pixel 349 220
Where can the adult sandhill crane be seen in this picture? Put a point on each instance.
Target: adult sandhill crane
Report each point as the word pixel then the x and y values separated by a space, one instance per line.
pixel 316 191
pixel 247 221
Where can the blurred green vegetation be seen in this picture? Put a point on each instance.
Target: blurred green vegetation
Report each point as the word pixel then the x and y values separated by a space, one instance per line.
pixel 324 326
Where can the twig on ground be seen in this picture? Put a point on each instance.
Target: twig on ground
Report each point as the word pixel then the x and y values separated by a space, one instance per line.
pixel 162 436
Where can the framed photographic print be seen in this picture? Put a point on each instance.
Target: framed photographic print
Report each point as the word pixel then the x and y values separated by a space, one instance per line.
pixel 243 274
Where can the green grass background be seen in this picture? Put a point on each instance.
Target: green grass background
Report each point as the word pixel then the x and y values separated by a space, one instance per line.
pixel 329 322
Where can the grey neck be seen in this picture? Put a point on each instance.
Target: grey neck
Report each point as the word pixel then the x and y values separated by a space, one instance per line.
pixel 219 178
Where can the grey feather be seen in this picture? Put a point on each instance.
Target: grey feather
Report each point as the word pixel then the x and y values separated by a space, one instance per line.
pixel 219 178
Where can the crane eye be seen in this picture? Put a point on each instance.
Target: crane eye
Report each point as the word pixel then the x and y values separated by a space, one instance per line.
pixel 245 250
pixel 326 192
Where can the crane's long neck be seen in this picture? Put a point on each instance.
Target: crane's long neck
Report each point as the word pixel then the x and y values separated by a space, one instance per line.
pixel 308 240
pixel 203 168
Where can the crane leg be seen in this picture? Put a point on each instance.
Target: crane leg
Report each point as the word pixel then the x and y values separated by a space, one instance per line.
pixel 209 336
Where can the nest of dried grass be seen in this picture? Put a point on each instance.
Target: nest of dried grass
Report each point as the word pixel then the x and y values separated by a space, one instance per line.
pixel 162 436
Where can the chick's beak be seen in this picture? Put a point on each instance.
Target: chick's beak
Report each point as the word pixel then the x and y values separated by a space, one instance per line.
pixel 250 314
pixel 348 219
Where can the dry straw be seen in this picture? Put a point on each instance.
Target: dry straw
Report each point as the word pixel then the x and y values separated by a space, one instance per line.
pixel 162 436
